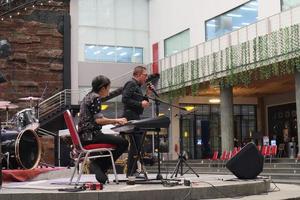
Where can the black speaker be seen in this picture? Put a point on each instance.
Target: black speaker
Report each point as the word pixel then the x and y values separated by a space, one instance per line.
pixel 248 163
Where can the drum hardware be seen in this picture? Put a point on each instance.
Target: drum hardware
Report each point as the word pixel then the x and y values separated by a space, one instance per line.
pixel 23 149
pixel 30 99
pixel 4 103
pixel 8 107
pixel 25 119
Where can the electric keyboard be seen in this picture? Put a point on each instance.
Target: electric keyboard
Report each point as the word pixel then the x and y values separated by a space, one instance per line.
pixel 149 124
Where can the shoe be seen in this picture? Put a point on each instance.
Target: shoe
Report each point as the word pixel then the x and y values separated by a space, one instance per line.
pixel 100 176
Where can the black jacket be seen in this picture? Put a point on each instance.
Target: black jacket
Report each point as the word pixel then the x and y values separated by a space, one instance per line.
pixel 132 97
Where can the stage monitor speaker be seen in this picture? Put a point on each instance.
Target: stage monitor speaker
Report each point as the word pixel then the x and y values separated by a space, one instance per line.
pixel 247 163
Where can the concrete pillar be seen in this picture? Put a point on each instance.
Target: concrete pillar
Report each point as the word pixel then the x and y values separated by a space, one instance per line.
pixel 297 92
pixel 226 110
pixel 174 134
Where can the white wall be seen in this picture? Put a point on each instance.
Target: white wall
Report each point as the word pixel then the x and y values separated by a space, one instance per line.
pixel 118 73
pixel 168 17
pixel 106 22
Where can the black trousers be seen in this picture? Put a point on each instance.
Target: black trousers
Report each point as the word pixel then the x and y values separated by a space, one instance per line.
pixel 121 147
pixel 135 139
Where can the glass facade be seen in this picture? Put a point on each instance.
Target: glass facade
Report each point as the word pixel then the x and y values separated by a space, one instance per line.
pixel 232 20
pixel 287 4
pixel 177 43
pixel 200 131
pixel 106 53
pixel 113 30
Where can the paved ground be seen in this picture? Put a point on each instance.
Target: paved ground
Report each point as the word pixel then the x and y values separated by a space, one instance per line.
pixel 206 185
pixel 278 192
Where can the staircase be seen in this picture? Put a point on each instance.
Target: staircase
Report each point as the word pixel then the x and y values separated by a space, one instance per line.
pixel 54 106
pixel 283 170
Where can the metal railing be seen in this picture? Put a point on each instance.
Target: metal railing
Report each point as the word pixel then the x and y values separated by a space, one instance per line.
pixel 215 46
pixel 54 104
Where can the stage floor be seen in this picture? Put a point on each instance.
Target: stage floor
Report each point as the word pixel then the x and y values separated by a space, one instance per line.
pixel 47 186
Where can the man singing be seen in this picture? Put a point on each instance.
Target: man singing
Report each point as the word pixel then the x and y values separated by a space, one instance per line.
pixel 134 103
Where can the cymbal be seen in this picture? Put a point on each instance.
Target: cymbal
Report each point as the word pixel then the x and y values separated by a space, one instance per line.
pixel 9 106
pixel 3 103
pixel 30 98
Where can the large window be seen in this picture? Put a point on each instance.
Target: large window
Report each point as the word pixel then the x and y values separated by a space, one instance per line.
pixel 203 124
pixel 287 4
pixel 177 42
pixel 245 124
pixel 105 53
pixel 232 20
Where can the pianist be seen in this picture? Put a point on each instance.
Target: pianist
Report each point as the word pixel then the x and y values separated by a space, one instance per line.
pixel 134 103
pixel 90 124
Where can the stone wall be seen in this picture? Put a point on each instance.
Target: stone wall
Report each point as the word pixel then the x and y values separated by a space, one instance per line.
pixel 36 58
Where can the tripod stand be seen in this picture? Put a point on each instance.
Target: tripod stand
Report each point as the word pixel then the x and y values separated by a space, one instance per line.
pixel 179 164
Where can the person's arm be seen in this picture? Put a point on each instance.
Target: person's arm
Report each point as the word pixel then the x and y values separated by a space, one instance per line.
pixel 95 108
pixel 128 93
pixel 105 121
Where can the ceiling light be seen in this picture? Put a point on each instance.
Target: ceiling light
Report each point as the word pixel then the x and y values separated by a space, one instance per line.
pixel 106 47
pixel 136 54
pixel 245 23
pixel 109 53
pixel 233 15
pixel 161 114
pixel 104 106
pixel 236 27
pixel 97 52
pixel 92 46
pixel 189 108
pixel 211 25
pixel 253 3
pixel 119 48
pixel 185 134
pixel 248 9
pixel 215 100
pixel 123 53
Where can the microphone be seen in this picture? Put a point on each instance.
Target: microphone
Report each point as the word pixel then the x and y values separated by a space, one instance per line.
pixel 153 78
pixel 150 87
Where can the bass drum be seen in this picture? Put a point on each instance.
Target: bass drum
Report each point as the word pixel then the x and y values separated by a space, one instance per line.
pixel 22 150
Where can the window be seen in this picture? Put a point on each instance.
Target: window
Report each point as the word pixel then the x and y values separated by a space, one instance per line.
pixel 287 4
pixel 177 43
pixel 232 20
pixel 106 53
pixel 244 123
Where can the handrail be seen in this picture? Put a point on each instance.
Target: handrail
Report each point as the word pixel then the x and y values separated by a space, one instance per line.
pixel 56 103
pixel 45 132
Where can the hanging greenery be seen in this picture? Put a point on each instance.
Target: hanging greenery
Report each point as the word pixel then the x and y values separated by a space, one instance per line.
pixel 274 54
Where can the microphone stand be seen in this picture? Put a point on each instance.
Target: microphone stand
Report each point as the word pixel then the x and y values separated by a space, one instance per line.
pixel 157 102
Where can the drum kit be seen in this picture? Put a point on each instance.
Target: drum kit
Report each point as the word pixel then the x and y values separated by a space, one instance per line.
pixel 20 143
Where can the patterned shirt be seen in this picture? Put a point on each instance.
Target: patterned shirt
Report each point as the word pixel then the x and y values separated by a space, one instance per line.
pixel 90 110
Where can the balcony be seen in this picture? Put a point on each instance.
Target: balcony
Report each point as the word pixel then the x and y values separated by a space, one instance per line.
pixel 270 47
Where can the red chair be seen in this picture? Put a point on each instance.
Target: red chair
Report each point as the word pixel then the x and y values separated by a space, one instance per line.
pixel 258 147
pixel 223 157
pixel 214 157
pixel 265 151
pixel 84 152
pixel 235 151
pixel 273 152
